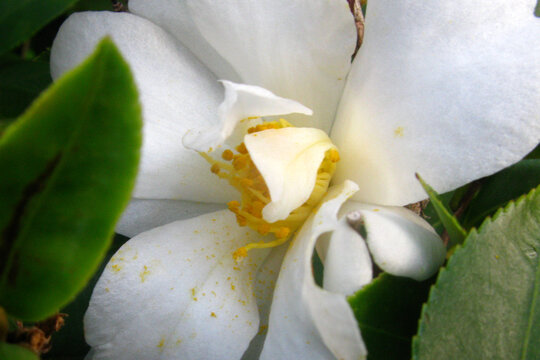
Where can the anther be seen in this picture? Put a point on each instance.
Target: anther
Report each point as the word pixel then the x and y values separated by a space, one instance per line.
pixel 242 148
pixel 264 228
pixel 214 169
pixel 240 162
pixel 333 155
pixel 227 155
pixel 240 253
pixel 282 233
pixel 233 206
pixel 242 221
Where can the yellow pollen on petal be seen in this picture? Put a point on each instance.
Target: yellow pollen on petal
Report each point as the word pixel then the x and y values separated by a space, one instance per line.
pixel 241 172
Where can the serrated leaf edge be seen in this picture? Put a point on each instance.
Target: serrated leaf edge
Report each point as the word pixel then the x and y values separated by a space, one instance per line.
pixel 490 219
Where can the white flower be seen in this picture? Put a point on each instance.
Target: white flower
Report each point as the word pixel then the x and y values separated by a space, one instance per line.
pixel 449 90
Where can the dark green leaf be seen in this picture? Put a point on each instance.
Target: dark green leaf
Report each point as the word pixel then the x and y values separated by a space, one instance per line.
pixel 93 5
pixel 69 342
pixel 20 19
pixel 455 231
pixel 498 189
pixel 15 352
pixel 387 311
pixel 535 154
pixel 20 83
pixel 4 123
pixel 68 166
pixel 537 9
pixel 486 303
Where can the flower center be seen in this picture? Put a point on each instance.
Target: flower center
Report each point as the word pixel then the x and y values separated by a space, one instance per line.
pixel 238 168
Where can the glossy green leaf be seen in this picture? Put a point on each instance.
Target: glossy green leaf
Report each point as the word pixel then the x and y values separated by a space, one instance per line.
pixel 68 166
pixel 20 83
pixel 455 231
pixel 15 352
pixel 486 303
pixel 69 342
pixel 387 311
pixel 498 189
pixel 20 19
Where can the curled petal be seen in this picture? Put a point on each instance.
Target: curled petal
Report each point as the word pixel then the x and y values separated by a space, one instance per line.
pixel 347 263
pixel 446 89
pixel 304 318
pixel 241 102
pixel 400 242
pixel 288 160
pixel 176 292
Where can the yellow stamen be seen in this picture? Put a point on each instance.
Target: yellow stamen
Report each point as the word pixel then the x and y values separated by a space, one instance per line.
pixel 246 178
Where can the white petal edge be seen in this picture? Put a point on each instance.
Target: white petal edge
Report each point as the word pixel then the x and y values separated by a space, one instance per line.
pixel 299 49
pixel 145 214
pixel 401 242
pixel 307 322
pixel 241 102
pixel 174 16
pixel 449 90
pixel 176 92
pixel 176 292
pixel 288 160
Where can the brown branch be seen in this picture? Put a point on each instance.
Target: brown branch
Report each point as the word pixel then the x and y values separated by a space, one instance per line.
pixel 356 9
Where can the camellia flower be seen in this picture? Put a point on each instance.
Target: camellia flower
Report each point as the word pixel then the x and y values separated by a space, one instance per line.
pixel 448 90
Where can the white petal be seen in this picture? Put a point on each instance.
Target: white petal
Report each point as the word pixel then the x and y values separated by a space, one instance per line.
pixel 307 322
pixel 400 242
pixel 297 49
pixel 288 160
pixel 174 16
pixel 448 89
pixel 347 263
pixel 241 102
pixel 265 283
pixel 176 91
pixel 175 292
pixel 146 214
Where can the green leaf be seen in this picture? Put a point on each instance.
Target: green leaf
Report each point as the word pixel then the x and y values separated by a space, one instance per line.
pixel 387 311
pixel 69 342
pixel 93 5
pixel 15 352
pixel 431 214
pixel 486 303
pixel 20 83
pixel 4 123
pixel 535 154
pixel 498 189
pixel 68 166
pixel 20 19
pixel 455 231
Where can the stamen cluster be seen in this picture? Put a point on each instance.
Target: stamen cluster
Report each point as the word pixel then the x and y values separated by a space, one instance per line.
pixel 240 171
